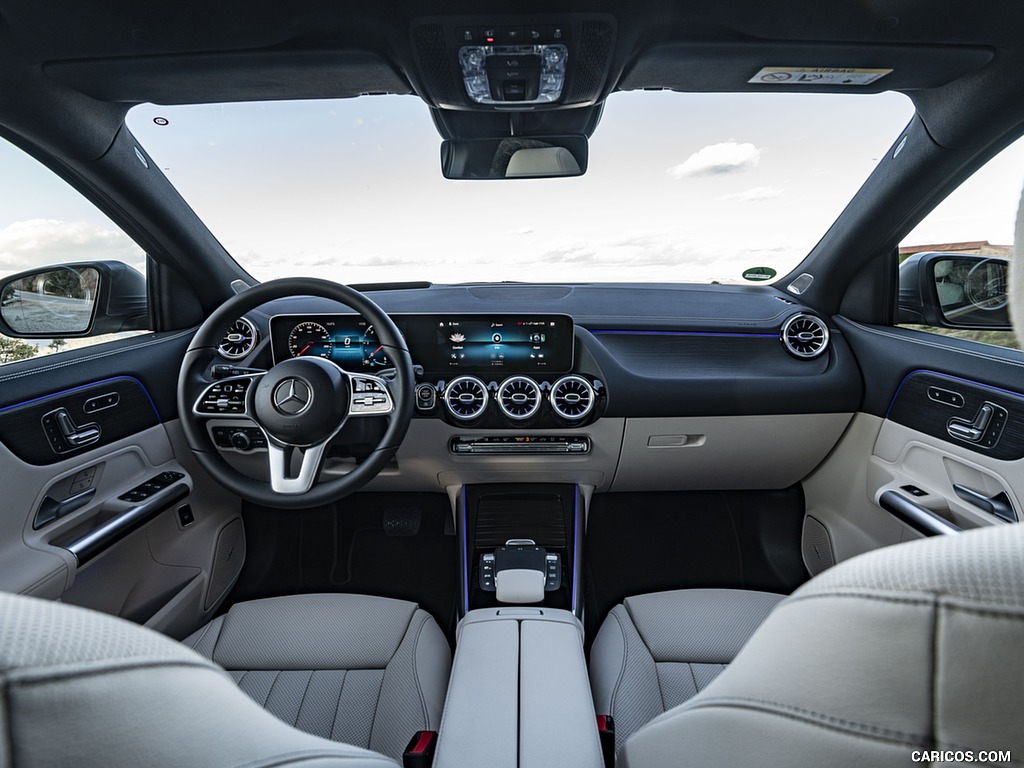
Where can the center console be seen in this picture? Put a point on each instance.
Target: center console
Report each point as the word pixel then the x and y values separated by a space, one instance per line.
pixel 519 695
pixel 517 529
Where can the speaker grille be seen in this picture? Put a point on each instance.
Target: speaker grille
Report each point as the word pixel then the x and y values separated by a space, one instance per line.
pixel 592 61
pixel 442 87
pixel 227 562
pixel 817 546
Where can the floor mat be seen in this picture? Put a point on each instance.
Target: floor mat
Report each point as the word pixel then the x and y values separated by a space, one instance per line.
pixel 651 542
pixel 385 544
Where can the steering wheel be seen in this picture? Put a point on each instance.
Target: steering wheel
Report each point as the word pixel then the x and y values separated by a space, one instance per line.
pixel 299 405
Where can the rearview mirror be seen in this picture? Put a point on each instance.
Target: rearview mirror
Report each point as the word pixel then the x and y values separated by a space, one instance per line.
pixel 516 157
pixel 71 300
pixel 952 290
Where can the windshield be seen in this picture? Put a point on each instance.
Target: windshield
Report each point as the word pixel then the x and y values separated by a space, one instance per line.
pixel 680 188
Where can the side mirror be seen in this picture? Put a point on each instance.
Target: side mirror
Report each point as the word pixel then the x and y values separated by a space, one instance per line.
pixel 953 290
pixel 72 300
pixel 516 157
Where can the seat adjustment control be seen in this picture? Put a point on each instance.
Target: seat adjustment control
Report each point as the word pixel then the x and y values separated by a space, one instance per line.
pixel 984 429
pixel 64 435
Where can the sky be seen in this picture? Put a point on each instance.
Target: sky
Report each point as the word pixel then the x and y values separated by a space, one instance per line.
pixel 680 187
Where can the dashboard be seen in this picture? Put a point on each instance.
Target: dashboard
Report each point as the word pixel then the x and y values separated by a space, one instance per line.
pixel 616 387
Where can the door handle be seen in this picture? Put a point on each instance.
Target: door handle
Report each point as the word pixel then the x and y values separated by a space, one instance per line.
pixel 920 518
pixel 998 505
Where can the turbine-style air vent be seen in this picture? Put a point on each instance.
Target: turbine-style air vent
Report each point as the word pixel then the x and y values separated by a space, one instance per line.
pixel 572 397
pixel 240 339
pixel 805 336
pixel 465 397
pixel 519 397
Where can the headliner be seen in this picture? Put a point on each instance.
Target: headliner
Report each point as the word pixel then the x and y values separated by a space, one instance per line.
pixel 91 59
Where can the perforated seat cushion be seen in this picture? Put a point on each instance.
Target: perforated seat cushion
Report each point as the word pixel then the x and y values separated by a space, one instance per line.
pixel 83 689
pixel 915 647
pixel 655 651
pixel 362 670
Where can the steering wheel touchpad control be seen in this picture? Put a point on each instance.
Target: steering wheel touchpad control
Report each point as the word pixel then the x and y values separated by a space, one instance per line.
pixel 521 554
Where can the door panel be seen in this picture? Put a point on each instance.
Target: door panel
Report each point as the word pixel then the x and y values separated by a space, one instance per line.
pixel 887 355
pixel 104 505
pixel 904 459
pixel 947 433
pixel 842 517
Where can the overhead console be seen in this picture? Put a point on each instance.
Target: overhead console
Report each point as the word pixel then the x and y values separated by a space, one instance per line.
pixel 513 62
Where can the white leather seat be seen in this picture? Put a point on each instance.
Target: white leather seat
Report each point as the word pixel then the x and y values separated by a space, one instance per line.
pixel 655 651
pixel 903 650
pixel 366 671
pixel 83 689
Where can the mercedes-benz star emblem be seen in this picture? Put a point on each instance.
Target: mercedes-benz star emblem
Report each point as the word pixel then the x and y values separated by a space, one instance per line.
pixel 292 397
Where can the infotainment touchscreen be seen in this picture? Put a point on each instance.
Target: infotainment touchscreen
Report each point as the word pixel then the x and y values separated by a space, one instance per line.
pixel 441 343
pixel 478 343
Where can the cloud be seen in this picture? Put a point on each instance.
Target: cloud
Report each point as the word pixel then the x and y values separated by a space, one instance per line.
pixel 655 249
pixel 572 254
pixel 754 194
pixel 379 261
pixel 39 242
pixel 716 160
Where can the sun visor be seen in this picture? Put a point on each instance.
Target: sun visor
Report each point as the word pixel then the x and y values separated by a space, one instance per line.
pixel 730 67
pixel 219 77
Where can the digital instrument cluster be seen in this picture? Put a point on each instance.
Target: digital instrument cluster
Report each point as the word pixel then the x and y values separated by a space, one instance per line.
pixel 441 343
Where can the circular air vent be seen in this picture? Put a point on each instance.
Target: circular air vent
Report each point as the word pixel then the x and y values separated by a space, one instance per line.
pixel 465 397
pixel 572 397
pixel 240 339
pixel 805 336
pixel 519 397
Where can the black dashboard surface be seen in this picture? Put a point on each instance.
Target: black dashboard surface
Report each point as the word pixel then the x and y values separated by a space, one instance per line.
pixel 660 350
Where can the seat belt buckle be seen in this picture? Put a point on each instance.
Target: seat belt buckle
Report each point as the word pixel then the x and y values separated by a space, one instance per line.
pixel 606 732
pixel 419 753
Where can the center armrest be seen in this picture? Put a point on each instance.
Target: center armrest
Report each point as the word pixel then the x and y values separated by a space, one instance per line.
pixel 519 695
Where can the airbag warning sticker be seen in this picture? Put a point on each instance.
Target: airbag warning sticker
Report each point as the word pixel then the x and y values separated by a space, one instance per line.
pixel 817 76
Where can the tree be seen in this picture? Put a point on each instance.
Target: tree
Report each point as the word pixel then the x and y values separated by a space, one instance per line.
pixel 56 345
pixel 15 349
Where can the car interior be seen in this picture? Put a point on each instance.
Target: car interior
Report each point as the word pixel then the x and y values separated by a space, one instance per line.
pixel 257 518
